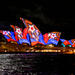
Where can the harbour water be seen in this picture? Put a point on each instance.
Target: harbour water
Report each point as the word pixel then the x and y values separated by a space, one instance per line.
pixel 37 64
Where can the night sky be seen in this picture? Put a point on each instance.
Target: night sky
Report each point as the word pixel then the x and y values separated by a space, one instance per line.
pixel 46 15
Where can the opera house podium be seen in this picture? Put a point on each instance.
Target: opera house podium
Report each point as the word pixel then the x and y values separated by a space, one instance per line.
pixel 10 47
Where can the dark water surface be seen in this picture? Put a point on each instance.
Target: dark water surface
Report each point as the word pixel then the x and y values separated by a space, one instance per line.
pixel 37 64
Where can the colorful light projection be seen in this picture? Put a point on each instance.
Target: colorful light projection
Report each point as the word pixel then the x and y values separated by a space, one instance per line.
pixel 31 35
pixel 52 38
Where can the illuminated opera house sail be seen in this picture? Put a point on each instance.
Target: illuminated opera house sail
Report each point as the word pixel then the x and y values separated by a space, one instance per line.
pixel 30 39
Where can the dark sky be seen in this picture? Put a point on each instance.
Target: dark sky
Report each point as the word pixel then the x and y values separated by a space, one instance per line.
pixel 46 15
